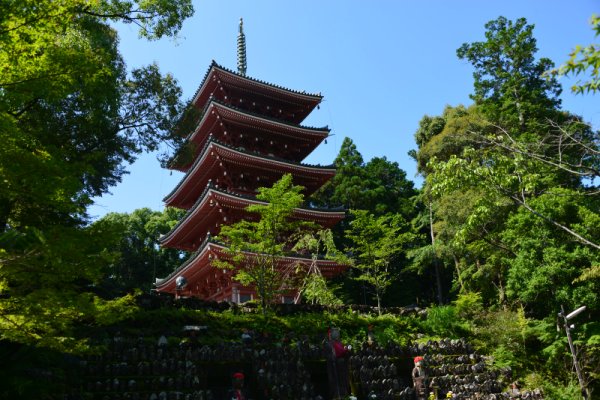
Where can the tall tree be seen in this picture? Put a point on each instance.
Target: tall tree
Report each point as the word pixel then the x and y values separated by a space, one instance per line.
pixel 255 246
pixel 345 187
pixel 69 109
pixel 446 216
pixel 70 115
pixel 510 183
pixel 377 242
pixel 497 157
pixel 140 257
pixel 508 80
pixel 379 185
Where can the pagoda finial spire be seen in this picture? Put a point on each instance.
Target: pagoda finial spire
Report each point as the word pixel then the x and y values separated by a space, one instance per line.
pixel 241 49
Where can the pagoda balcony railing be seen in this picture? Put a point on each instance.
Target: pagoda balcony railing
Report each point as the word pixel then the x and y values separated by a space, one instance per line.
pixel 269 118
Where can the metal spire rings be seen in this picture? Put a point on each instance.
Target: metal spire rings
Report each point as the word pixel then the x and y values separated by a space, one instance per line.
pixel 241 49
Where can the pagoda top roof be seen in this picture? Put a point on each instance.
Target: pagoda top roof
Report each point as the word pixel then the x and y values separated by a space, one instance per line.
pixel 256 83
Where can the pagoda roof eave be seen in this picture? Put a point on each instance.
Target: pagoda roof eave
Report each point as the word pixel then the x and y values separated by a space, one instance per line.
pixel 328 217
pixel 214 66
pixel 226 150
pixel 209 245
pixel 239 116
pixel 238 113
pixel 205 247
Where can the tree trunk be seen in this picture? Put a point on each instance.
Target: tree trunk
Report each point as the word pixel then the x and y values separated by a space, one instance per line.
pixel 438 278
pixel 458 273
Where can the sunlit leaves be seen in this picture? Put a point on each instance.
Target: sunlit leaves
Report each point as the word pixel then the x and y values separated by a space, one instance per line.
pixel 583 60
pixel 271 235
pixel 375 244
pixel 155 18
pixel 314 287
pixel 547 261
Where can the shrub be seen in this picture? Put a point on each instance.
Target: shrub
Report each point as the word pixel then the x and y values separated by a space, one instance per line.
pixel 444 321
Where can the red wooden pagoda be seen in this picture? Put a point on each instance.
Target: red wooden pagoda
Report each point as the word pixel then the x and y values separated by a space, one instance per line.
pixel 249 135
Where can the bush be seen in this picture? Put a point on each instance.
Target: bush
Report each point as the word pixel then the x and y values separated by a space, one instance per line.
pixel 443 321
pixel 469 306
pixel 554 390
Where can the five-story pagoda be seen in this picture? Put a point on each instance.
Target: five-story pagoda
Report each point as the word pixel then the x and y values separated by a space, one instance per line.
pixel 248 136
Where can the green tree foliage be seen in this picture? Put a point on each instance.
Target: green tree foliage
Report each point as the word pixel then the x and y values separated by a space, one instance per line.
pixel 480 174
pixel 377 243
pixel 314 287
pixel 255 246
pixel 141 259
pixel 45 283
pixel 68 108
pixel 511 184
pixel 508 81
pixel 70 115
pixel 509 176
pixel 583 60
pixel 459 237
pixel 446 135
pixel 379 186
pixel 346 186
pixel 545 261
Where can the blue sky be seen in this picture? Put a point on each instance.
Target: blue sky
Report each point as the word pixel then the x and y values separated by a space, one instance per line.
pixel 381 65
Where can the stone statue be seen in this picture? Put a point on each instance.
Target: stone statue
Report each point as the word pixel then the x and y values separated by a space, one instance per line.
pixel 337 355
pixel 237 391
pixel 419 379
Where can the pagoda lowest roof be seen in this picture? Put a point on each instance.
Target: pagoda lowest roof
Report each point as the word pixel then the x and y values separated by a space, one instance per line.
pixel 217 74
pixel 199 265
